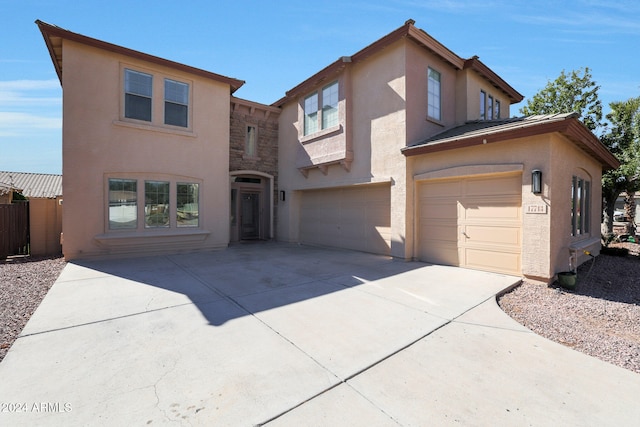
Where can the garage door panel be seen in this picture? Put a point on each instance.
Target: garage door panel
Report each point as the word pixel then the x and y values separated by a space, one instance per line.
pixel 446 254
pixel 439 209
pixel 498 210
pixel 493 235
pixel 483 259
pixel 444 231
pixel 493 186
pixel 440 189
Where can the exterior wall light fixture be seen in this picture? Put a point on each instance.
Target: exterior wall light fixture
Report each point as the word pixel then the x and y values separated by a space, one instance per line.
pixel 536 181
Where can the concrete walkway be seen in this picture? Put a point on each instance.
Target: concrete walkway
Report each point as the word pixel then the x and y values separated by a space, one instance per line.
pixel 286 335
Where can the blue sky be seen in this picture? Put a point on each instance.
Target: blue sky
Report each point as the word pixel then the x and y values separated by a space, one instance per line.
pixel 273 46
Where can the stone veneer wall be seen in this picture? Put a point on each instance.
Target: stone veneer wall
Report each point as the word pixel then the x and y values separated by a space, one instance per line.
pixel 265 120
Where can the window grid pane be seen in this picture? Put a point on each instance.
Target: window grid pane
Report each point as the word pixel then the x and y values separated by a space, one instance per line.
pixel 330 106
pixel 483 105
pixel 433 94
pixel 187 204
pixel 138 89
pixel 250 142
pixel 490 108
pixel 311 114
pixel 497 110
pixel 156 204
pixel 123 204
pixel 176 103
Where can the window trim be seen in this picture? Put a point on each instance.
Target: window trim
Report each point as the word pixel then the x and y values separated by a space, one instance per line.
pixel 430 95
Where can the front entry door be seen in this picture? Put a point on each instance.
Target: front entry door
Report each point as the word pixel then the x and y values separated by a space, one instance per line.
pixel 250 216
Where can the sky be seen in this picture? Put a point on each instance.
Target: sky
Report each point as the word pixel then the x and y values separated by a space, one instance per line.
pixel 273 46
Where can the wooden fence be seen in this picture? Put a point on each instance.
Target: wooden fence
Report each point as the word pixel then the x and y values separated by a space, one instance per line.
pixel 14 229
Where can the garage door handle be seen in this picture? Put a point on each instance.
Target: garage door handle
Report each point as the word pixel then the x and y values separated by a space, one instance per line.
pixel 465 234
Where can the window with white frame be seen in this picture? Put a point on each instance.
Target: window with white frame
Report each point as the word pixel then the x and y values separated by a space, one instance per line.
pixel 434 94
pixel 156 204
pixel 311 114
pixel 580 206
pixel 250 142
pixel 176 103
pixel 330 105
pixel 326 98
pixel 187 204
pixel 138 89
pixel 123 204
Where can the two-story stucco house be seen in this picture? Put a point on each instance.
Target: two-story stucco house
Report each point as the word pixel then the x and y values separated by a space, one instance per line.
pixel 403 148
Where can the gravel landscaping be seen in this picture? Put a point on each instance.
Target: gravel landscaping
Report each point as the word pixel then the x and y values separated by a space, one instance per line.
pixel 24 281
pixel 601 317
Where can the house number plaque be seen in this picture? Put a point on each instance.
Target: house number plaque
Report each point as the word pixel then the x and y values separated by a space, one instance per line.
pixel 536 209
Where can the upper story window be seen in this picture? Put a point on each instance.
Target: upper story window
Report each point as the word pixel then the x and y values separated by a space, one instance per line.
pixel 330 105
pixel 434 94
pixel 176 103
pixel 311 114
pixel 138 88
pixel 580 206
pixel 250 142
pixel 489 106
pixel 328 99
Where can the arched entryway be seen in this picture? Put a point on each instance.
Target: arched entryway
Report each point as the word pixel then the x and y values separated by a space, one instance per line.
pixel 251 205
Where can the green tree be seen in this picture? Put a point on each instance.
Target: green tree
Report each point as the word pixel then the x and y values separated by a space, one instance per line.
pixel 575 92
pixel 623 140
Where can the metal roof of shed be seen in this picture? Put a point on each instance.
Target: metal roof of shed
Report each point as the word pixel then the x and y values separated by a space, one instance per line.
pixel 33 185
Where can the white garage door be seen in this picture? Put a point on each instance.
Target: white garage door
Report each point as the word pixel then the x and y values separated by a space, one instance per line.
pixel 356 218
pixel 472 222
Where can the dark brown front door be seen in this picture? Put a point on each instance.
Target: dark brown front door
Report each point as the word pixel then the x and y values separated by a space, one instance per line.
pixel 250 216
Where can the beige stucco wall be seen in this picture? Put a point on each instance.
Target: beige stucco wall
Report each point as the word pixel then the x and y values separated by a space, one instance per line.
pixel 45 226
pixel 468 87
pixel 377 127
pixel 546 237
pixel 98 143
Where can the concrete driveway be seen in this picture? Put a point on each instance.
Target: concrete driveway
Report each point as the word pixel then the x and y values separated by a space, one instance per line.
pixel 283 335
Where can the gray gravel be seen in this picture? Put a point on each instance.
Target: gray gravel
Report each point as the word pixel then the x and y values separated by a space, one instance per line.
pixel 24 282
pixel 600 318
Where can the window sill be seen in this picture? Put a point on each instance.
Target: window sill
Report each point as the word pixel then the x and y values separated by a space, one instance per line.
pixel 435 121
pixel 155 128
pixel 253 158
pixel 151 237
pixel 321 134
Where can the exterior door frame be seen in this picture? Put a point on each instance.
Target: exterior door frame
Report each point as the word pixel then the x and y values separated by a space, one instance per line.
pixel 265 189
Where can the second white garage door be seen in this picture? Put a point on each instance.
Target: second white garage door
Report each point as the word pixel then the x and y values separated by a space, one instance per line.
pixel 356 218
pixel 473 222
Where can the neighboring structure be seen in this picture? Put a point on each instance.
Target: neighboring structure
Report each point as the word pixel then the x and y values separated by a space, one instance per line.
pixel 403 149
pixel 44 192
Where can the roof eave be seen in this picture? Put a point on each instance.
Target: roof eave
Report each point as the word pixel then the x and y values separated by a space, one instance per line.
pixel 475 64
pixel 48 31
pixel 571 128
